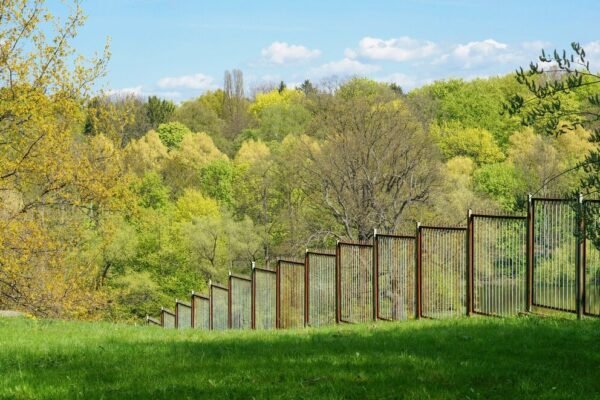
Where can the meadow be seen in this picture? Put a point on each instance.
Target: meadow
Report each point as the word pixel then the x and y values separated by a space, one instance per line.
pixel 469 358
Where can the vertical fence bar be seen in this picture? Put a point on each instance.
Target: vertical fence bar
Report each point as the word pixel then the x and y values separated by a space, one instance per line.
pixel 418 275
pixel 580 259
pixel 306 287
pixel 253 300
pixel 375 276
pixel 338 284
pixel 470 269
pixel 211 311
pixel 229 293
pixel 277 297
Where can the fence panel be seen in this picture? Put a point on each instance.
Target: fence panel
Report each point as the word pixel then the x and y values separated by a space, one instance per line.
pixel 167 318
pixel 291 296
pixel 499 259
pixel 152 321
pixel 443 261
pixel 320 278
pixel 219 304
pixel 554 254
pixel 355 282
pixel 592 258
pixel 200 312
pixel 240 290
pixel 183 315
pixel 396 283
pixel 264 299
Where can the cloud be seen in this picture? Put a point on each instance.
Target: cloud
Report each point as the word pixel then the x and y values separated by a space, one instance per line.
pixel 136 91
pixel 281 53
pixel 400 79
pixel 345 67
pixel 486 51
pixel 592 52
pixel 396 49
pixel 195 81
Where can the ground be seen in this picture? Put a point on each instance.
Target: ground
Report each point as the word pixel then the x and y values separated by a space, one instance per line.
pixel 476 358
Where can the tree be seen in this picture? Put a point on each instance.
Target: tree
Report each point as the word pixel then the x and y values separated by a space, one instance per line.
pixel 477 143
pixel 171 134
pixel 159 111
pixel 375 163
pixel 234 103
pixel 549 82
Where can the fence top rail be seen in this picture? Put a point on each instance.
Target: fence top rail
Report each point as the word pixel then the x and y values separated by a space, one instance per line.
pixel 239 277
pixel 152 320
pixel 320 253
pixel 498 216
pixel 217 286
pixel 361 243
pixel 593 201
pixel 554 199
pixel 394 236
pixel 293 262
pixel 165 311
pixel 260 269
pixel 444 228
pixel 200 296
pixel 181 303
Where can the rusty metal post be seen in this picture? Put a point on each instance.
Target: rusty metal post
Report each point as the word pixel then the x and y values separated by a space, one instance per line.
pixel 193 304
pixel 375 276
pixel 253 299
pixel 530 222
pixel 338 285
pixel 580 259
pixel 176 313
pixel 306 288
pixel 229 291
pixel 419 283
pixel 470 262
pixel 210 308
pixel 277 296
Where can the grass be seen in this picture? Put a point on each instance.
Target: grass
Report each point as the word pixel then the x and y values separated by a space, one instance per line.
pixel 477 358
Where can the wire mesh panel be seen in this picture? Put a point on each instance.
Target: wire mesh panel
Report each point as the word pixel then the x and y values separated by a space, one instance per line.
pixel 355 282
pixel 265 299
pixel 321 288
pixel 201 312
pixel 183 315
pixel 554 254
pixel 443 272
pixel 499 257
pixel 167 319
pixel 395 266
pixel 241 302
pixel 219 302
pixel 153 322
pixel 592 258
pixel 291 294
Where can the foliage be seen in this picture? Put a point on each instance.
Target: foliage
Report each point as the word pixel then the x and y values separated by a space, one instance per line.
pixel 158 111
pixel 171 133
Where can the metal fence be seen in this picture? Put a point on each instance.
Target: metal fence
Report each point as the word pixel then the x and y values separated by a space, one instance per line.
pixel 240 302
pixel 499 265
pixel 290 294
pixel 264 298
pixel 442 265
pixel 498 256
pixel 321 286
pixel 355 282
pixel 219 307
pixel 395 268
pixel 183 315
pixel 200 311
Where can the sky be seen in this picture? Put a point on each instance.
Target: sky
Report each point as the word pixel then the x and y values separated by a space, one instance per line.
pixel 178 49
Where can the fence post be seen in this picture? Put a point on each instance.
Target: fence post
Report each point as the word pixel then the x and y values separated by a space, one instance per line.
pixel 470 263
pixel 193 310
pixel 210 308
pixel 580 258
pixel 253 297
pixel 277 296
pixel 306 288
pixel 375 276
pixel 338 284
pixel 529 249
pixel 419 283
pixel 229 317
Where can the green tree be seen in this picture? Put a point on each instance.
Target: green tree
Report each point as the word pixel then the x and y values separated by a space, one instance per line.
pixel 171 133
pixel 158 111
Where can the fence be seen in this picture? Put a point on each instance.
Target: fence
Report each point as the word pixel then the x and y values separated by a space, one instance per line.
pixel 498 265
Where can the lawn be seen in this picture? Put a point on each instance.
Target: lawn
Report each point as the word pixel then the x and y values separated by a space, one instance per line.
pixel 477 358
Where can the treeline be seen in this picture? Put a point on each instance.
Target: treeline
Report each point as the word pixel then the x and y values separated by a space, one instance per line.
pixel 112 206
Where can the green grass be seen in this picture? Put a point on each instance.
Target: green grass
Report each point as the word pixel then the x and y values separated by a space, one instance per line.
pixel 476 358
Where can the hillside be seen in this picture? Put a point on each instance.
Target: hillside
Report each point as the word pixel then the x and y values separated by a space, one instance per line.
pixel 464 359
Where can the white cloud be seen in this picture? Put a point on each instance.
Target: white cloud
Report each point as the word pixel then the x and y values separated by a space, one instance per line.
pixel 136 91
pixel 345 67
pixel 396 49
pixel 195 81
pixel 282 52
pixel 488 51
pixel 592 52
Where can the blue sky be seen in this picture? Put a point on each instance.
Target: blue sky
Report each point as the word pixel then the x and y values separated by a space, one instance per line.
pixel 180 48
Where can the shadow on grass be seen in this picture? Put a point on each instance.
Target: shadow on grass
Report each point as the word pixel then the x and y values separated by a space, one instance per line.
pixel 467 359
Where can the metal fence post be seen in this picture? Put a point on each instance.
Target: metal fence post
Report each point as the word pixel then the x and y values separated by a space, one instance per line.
pixel 253 298
pixel 375 276
pixel 470 262
pixel 580 259
pixel 210 308
pixel 229 291
pixel 419 283
pixel 338 284
pixel 277 296
pixel 530 240
pixel 306 287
